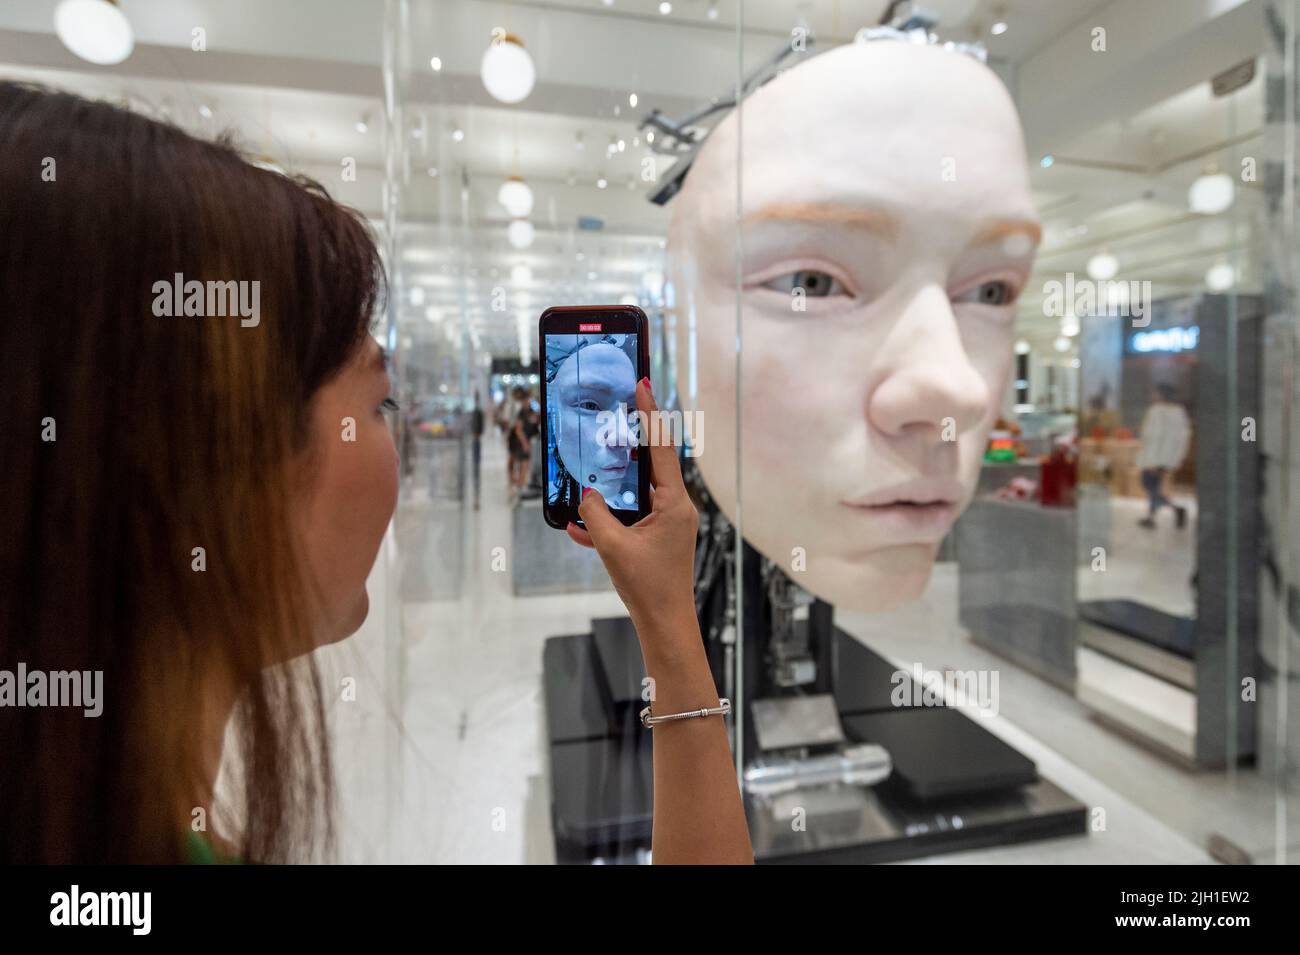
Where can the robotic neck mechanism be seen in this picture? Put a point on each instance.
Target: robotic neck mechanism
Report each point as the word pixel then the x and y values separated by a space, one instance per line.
pixel 779 663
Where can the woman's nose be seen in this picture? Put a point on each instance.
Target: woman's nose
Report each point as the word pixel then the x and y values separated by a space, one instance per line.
pixel 929 385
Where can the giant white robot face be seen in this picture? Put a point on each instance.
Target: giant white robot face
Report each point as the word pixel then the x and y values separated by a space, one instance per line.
pixel 887 230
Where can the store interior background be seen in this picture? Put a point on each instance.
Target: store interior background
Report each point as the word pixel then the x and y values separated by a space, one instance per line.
pixel 442 756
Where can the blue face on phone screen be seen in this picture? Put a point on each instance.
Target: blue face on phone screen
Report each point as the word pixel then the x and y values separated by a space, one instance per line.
pixel 590 404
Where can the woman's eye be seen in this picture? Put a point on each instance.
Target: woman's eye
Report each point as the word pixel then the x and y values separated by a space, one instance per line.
pixel 588 405
pixel 389 404
pixel 815 284
pixel 990 293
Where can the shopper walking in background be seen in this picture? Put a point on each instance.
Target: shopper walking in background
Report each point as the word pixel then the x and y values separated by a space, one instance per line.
pixel 476 446
pixel 519 443
pixel 1166 435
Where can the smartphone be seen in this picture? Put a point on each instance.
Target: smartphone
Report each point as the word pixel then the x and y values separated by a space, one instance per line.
pixel 591 358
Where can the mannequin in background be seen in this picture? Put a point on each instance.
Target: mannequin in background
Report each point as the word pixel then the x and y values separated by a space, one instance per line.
pixel 888 229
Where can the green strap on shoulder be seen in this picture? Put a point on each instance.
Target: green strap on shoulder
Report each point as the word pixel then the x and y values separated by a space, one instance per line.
pixel 198 852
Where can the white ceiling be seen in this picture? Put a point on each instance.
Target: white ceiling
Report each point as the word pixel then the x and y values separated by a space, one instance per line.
pixel 292 78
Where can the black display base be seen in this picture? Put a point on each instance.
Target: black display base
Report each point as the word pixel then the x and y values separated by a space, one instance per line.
pixel 955 787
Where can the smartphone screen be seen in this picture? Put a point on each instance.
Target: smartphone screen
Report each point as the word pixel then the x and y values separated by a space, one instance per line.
pixel 592 359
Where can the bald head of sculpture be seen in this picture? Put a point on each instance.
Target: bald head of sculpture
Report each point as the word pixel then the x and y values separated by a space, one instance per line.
pixel 886 231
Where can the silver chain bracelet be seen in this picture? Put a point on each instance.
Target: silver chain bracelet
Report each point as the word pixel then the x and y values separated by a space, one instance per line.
pixel 722 709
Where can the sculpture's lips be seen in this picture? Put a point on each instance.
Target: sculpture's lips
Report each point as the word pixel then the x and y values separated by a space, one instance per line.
pixel 918 511
pixel 918 491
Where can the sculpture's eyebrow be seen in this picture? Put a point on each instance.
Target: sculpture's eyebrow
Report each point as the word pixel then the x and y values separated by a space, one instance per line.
pixel 881 222
pixel 1000 230
pixel 828 213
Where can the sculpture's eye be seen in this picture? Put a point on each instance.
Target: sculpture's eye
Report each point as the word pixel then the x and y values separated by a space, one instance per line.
pixel 815 284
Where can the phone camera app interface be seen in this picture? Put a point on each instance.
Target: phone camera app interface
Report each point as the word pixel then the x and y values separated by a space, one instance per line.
pixel 590 401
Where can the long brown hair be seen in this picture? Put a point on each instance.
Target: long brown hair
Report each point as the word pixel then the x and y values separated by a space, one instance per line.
pixel 129 440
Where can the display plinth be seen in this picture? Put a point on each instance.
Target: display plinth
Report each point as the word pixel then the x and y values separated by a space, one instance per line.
pixel 983 793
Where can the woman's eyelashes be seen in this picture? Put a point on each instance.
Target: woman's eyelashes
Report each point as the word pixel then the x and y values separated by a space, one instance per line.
pixel 389 404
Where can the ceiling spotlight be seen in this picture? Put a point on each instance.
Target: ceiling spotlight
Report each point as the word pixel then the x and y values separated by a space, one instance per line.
pixel 1062 344
pixel 601 183
pixel 1048 161
pixel 507 70
pixel 520 232
pixel 436 63
pixel 433 172
pixel 631 100
pixel 621 145
pixel 1212 193
pixel 1022 347
pixel 417 295
pixel 650 136
pixel 457 134
pixel 363 124
pixel 665 8
pixel 713 11
pixel 521 273
pixel 95 30
pixel 516 196
pixel 1070 325
pixel 1103 266
pixel 205 110
pixel 998 28
pixel 1220 277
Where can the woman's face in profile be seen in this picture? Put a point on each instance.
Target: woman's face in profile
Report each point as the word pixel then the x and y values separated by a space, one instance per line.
pixel 594 388
pixel 352 471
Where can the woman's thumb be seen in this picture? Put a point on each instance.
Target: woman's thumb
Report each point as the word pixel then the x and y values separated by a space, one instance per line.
pixel 595 514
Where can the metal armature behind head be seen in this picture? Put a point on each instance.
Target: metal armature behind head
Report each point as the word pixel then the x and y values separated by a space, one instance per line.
pixel 902 21
pixel 682 139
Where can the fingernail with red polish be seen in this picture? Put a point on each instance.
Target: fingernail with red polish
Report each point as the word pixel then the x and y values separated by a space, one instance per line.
pixel 646 381
pixel 585 492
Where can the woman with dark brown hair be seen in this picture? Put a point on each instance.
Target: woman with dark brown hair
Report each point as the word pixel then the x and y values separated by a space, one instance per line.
pixel 195 478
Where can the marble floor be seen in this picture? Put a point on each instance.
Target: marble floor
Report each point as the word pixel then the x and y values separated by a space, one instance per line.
pixel 446 761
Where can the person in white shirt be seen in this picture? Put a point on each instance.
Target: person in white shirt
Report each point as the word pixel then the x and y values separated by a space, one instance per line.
pixel 1166 434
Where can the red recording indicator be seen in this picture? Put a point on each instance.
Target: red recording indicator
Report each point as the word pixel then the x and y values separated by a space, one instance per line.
pixel 589 326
